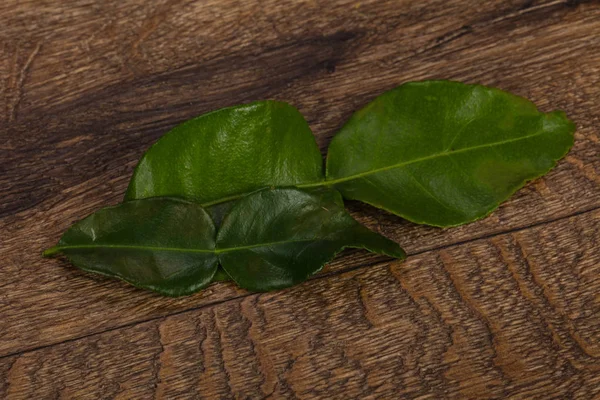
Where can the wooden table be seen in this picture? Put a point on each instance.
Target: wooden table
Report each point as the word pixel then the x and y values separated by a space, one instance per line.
pixel 505 307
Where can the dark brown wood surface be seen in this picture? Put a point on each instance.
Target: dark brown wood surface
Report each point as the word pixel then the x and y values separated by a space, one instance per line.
pixel 508 306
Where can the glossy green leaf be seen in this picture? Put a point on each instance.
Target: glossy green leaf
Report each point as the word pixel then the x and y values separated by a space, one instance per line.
pixel 229 152
pixel 165 245
pixel 276 238
pixel 271 239
pixel 444 153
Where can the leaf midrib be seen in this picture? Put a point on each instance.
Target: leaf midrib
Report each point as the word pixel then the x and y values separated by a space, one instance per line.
pixel 389 167
pixel 53 250
pixel 426 158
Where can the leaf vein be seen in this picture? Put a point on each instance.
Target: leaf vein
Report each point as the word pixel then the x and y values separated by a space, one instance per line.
pixel 57 249
pixel 425 158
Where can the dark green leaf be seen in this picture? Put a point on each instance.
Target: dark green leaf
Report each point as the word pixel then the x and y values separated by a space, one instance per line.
pixel 276 238
pixel 444 153
pixel 164 245
pixel 223 154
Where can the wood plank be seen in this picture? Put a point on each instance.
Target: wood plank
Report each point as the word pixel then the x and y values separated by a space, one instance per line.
pixel 85 48
pixel 78 118
pixel 515 315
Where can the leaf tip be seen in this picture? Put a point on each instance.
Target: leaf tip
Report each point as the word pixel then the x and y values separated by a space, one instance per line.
pixel 394 251
pixel 399 253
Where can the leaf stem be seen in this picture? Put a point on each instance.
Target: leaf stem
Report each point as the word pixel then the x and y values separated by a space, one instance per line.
pixel 51 251
pixel 222 200
pixel 332 182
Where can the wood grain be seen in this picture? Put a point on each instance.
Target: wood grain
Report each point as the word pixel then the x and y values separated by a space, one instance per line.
pixel 88 86
pixel 515 315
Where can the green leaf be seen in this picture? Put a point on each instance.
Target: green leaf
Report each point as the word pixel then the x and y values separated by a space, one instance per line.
pixel 217 157
pixel 272 238
pixel 165 245
pixel 444 153
pixel 224 154
pixel 276 238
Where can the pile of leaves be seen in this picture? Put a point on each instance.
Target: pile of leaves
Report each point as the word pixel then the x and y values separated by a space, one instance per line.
pixel 240 193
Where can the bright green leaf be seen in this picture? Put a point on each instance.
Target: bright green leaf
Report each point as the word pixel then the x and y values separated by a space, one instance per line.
pixel 444 153
pixel 224 154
